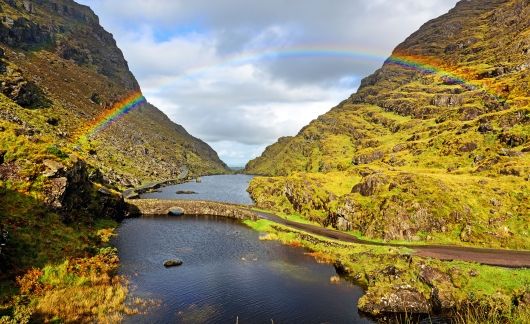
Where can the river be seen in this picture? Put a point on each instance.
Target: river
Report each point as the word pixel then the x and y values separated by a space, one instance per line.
pixel 222 188
pixel 229 275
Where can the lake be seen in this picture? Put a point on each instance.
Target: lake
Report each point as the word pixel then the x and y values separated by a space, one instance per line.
pixel 228 275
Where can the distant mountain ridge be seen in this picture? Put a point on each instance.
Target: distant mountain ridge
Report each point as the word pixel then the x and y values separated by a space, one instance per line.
pixel 433 146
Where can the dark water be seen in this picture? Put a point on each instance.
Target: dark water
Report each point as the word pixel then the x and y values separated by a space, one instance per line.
pixel 228 274
pixel 223 188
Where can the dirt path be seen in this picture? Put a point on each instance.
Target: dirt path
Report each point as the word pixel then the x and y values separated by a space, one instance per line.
pixel 503 258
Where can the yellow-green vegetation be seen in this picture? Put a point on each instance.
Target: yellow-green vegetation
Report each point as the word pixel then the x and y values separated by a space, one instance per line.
pixel 60 75
pixel 459 289
pixel 416 155
pixel 79 289
pixel 64 72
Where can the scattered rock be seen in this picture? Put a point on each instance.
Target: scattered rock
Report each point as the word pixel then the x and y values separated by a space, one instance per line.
pixel 485 128
pixel 465 235
pixel 104 191
pixel 468 147
pixel 130 194
pixel 56 192
pixel 473 273
pixel 95 99
pixel 512 140
pixel 509 153
pixel 25 93
pixel 444 100
pixel 173 263
pixel 176 211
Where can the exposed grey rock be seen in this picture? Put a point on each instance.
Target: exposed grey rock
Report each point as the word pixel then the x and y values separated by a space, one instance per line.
pixel 368 158
pixel 52 168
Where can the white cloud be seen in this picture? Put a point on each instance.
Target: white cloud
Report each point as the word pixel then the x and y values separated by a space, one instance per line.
pixel 202 62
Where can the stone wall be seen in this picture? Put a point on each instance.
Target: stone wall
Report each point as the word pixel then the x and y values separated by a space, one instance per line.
pixel 162 207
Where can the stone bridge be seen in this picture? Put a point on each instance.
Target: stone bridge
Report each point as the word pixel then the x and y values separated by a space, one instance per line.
pixel 191 207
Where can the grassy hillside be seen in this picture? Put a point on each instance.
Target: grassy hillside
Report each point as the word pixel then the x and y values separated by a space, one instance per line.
pixel 60 72
pixel 434 146
pixel 66 71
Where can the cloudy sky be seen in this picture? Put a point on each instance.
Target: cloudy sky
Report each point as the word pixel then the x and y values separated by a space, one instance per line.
pixel 241 73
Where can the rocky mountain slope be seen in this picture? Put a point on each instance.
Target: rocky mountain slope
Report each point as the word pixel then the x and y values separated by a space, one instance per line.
pixel 434 146
pixel 61 74
pixel 64 71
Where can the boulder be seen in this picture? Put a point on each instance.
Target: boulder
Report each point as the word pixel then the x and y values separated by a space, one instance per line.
pixel 370 185
pixel 432 276
pixel 441 285
pixel 53 168
pixel 176 211
pixel 396 299
pixel 343 224
pixel 56 192
pixel 173 263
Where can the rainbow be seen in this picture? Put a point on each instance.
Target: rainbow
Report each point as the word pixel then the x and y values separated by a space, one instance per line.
pixel 110 116
pixel 422 64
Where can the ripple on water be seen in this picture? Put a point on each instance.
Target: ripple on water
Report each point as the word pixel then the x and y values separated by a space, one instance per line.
pixel 228 273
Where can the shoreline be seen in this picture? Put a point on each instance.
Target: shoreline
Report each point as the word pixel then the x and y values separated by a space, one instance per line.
pixel 396 278
pixel 492 257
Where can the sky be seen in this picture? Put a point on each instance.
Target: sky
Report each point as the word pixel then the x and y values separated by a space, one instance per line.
pixel 239 74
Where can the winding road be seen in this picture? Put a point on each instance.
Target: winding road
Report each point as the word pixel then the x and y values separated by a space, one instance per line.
pixel 494 257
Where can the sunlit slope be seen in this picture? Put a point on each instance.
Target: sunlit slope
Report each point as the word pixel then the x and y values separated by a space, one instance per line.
pixel 65 71
pixel 435 142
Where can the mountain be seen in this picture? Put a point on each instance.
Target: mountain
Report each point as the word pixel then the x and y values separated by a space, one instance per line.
pixel 75 130
pixel 434 146
pixel 65 74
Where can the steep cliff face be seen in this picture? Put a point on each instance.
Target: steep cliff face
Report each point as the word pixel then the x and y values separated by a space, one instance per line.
pixel 435 142
pixel 59 63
